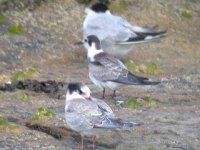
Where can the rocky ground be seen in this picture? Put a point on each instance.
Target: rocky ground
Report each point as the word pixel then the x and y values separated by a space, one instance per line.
pixel 52 28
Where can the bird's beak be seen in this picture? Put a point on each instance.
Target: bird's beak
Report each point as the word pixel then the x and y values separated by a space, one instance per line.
pixel 78 43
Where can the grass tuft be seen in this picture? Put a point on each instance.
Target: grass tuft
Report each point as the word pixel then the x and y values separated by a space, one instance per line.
pixel 151 148
pixel 26 74
pixel 131 103
pixel 131 66
pixel 186 14
pixel 24 97
pixel 152 69
pixel 16 29
pixel 135 103
pixel 2 19
pixel 4 124
pixel 43 113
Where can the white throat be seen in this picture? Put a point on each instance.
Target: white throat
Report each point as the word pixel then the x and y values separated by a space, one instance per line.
pixel 92 52
pixel 72 96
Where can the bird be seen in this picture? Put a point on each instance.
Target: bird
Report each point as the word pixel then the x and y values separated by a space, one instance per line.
pixel 84 113
pixel 117 35
pixel 106 71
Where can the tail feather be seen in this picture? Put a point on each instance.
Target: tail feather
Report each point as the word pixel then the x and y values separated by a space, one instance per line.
pixel 143 37
pixel 132 79
pixel 113 123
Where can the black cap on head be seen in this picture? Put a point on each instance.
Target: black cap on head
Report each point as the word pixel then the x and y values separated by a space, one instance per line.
pixel 72 87
pixel 93 39
pixel 99 8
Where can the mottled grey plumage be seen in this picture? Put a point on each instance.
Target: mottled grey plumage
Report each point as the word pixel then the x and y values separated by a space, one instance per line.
pixel 108 72
pixel 86 113
pixel 117 36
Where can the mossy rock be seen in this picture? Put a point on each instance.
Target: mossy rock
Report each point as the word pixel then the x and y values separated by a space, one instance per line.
pixel 16 29
pixel 28 73
pixel 43 113
pixel 2 19
pixel 186 14
pixel 152 69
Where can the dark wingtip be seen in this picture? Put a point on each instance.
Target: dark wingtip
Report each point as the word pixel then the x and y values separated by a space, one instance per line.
pixel 132 124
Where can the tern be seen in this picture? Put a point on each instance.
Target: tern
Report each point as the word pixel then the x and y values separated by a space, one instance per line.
pixel 117 36
pixel 106 71
pixel 84 113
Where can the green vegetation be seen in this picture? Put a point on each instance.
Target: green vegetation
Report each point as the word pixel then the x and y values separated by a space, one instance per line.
pixel 150 102
pixel 131 66
pixel 152 69
pixel 2 19
pixel 16 29
pixel 24 97
pixel 151 148
pixel 135 103
pixel 119 6
pixel 132 103
pixel 6 125
pixel 186 14
pixel 26 74
pixel 43 113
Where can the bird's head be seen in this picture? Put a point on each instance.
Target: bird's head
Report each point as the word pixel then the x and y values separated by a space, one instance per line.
pixel 77 90
pixel 93 45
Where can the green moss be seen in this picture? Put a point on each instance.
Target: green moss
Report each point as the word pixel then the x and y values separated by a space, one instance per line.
pixel 6 125
pixel 151 148
pixel 119 6
pixel 152 69
pixel 16 29
pixel 2 19
pixel 186 14
pixel 131 66
pixel 135 103
pixel 24 97
pixel 150 102
pixel 24 75
pixel 131 103
pixel 43 113
pixel 3 122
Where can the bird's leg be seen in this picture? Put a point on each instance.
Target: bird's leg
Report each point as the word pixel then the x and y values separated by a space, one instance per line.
pixel 103 96
pixel 114 94
pixel 81 144
pixel 93 142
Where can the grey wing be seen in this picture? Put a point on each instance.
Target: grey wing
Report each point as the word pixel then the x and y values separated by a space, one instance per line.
pixel 108 68
pixel 104 107
pixel 82 115
pixel 108 27
pixel 111 69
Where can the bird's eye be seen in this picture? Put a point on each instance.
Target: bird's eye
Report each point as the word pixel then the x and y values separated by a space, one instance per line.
pixel 85 40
